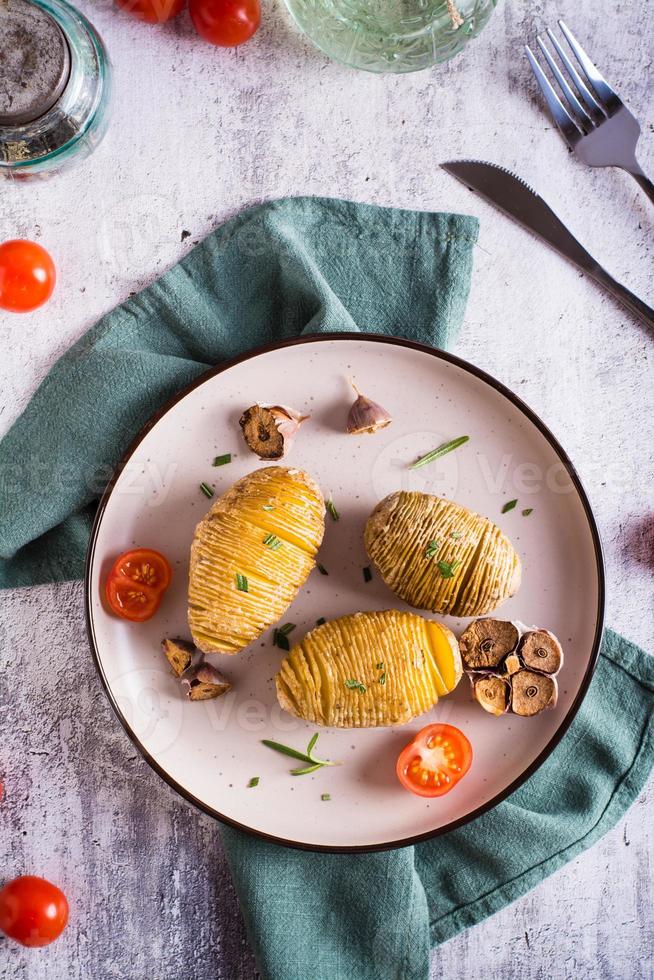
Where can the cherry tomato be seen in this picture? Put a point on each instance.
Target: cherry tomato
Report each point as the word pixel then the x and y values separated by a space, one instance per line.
pixel 27 276
pixel 152 11
pixel 434 762
pixel 136 583
pixel 33 911
pixel 225 22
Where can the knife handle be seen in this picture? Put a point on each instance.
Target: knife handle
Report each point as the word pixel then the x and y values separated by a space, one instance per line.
pixel 639 309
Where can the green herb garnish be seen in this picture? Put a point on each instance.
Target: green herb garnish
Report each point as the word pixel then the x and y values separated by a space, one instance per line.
pixel 273 542
pixel 456 535
pixel 353 685
pixel 268 507
pixel 319 622
pixel 382 678
pixel 222 460
pixel 253 782
pixel 325 797
pixel 380 665
pixel 331 508
pixel 321 569
pixel 447 568
pixel 280 636
pixel 527 511
pixel 432 549
pixel 206 489
pixel 367 574
pixel 242 583
pixel 446 447
pixel 509 505
pixel 314 763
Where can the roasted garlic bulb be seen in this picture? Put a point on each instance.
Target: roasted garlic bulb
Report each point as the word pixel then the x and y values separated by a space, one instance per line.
pixel 437 555
pixel 511 667
pixel 369 669
pixel 250 555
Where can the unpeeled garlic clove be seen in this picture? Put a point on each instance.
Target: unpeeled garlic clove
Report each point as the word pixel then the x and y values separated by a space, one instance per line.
pixel 366 415
pixel 269 430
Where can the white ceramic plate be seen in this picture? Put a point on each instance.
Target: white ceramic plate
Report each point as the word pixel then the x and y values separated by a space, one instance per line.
pixel 208 751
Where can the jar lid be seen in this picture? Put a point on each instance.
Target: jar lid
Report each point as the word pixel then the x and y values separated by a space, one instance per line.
pixel 34 62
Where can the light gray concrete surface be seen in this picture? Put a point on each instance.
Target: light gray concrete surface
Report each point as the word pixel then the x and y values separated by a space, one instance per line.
pixel 197 134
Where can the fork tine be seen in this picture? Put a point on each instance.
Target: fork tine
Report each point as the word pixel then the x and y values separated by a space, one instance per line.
pixel 597 81
pixel 560 114
pixel 565 88
pixel 583 89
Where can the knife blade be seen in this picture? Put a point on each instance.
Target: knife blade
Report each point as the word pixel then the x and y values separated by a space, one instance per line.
pixel 511 195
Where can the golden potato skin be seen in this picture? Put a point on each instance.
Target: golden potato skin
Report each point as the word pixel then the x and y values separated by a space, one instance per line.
pixel 275 500
pixel 369 669
pixel 398 537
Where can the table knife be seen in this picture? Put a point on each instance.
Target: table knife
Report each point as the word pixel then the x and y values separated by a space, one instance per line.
pixel 512 196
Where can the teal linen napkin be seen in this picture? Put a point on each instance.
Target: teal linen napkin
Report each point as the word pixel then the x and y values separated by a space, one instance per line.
pixel 295 266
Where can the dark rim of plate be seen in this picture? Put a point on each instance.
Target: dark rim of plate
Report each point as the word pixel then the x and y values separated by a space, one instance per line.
pixel 599 628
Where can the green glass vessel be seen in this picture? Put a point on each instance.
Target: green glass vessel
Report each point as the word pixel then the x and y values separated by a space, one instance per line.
pixel 391 35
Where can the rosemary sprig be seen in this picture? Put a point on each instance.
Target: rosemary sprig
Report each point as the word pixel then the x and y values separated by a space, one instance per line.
pixel 442 450
pixel 313 762
pixel 273 542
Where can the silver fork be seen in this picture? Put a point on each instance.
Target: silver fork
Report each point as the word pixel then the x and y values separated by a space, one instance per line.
pixel 596 124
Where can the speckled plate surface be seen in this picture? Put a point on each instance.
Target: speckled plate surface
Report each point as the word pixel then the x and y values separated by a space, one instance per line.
pixel 208 751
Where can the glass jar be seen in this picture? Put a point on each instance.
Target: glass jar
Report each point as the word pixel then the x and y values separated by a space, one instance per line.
pixel 54 89
pixel 391 35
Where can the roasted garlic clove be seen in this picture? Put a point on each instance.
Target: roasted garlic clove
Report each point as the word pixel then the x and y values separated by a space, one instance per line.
pixel 269 430
pixel 540 650
pixel 532 692
pixel 179 654
pixel 486 642
pixel 366 415
pixel 204 682
pixel 492 692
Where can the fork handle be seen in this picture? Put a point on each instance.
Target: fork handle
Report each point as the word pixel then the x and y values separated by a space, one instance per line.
pixel 640 310
pixel 645 183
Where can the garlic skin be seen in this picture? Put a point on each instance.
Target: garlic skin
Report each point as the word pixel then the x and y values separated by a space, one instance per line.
pixel 288 421
pixel 269 430
pixel 366 415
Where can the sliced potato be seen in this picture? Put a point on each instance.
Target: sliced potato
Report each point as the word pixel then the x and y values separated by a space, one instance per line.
pixel 369 669
pixel 437 555
pixel 250 555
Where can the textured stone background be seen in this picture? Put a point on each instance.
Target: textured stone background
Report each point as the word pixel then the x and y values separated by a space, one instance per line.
pixel 197 134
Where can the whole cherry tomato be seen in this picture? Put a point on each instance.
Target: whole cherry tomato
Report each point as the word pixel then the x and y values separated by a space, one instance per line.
pixel 27 276
pixel 136 583
pixel 225 22
pixel 152 11
pixel 434 762
pixel 33 911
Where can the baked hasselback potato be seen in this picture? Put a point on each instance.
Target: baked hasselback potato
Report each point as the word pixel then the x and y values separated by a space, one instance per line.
pixel 250 555
pixel 437 555
pixel 369 669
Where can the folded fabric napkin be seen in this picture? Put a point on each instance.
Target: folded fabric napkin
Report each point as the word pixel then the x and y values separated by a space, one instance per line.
pixel 295 266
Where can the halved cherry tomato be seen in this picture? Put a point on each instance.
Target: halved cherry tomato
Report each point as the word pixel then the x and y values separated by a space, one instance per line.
pixel 27 276
pixel 225 22
pixel 136 583
pixel 434 762
pixel 152 11
pixel 33 911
